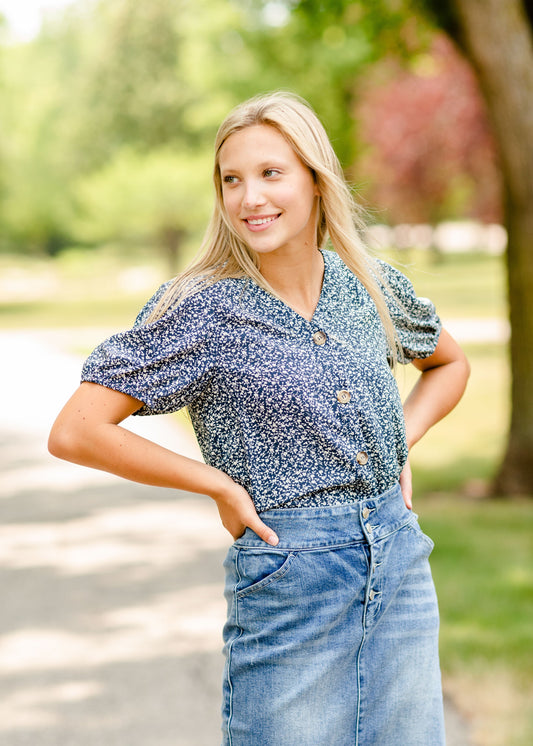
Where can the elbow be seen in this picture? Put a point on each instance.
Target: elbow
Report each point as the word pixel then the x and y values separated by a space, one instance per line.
pixel 461 367
pixel 466 368
pixel 62 442
pixel 57 443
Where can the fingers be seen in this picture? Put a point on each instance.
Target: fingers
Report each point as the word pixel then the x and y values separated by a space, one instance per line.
pixel 238 512
pixel 264 532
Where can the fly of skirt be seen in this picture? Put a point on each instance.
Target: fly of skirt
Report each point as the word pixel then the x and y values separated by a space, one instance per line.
pixel 332 635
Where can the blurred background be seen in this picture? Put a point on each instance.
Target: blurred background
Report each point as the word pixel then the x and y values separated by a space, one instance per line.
pixel 108 111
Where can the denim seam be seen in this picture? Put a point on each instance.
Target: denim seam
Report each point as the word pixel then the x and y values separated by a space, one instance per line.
pixel 361 646
pixel 230 651
pixel 315 548
pixel 390 533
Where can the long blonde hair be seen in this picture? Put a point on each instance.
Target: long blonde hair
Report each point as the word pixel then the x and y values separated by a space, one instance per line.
pixel 224 254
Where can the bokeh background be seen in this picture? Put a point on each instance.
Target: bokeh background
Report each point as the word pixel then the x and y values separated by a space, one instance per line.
pixel 108 111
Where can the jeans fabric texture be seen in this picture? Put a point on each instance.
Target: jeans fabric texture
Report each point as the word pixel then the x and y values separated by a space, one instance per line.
pixel 332 636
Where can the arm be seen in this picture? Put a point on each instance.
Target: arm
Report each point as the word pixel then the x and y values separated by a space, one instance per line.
pixel 87 431
pixel 443 379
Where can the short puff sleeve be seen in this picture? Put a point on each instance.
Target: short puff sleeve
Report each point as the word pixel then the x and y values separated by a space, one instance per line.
pixel 165 364
pixel 415 320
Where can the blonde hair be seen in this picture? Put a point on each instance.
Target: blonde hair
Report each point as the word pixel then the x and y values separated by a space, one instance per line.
pixel 224 254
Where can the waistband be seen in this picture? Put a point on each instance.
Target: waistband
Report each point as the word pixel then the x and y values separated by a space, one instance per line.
pixel 367 520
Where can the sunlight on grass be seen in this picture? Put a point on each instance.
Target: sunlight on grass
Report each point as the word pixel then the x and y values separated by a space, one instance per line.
pixel 107 286
pixel 466 445
pixel 483 570
pixel 460 285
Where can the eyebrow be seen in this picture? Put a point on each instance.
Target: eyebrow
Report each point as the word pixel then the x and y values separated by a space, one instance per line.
pixel 271 163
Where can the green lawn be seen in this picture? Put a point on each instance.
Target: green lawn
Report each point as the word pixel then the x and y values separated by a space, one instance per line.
pixel 87 288
pixel 92 288
pixel 483 570
pixel 460 285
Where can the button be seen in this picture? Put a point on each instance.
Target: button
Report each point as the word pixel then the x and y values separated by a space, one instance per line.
pixel 343 396
pixel 366 513
pixel 362 458
pixel 369 528
pixel 372 595
pixel 319 338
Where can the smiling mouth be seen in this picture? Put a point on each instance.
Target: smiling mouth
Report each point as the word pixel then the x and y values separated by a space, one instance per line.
pixel 261 221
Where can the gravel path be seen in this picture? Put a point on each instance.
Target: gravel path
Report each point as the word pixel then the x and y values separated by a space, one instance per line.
pixel 111 592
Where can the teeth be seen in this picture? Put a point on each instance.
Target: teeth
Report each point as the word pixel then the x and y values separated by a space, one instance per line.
pixel 260 221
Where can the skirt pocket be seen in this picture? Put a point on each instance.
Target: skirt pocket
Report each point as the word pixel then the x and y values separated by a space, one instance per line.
pixel 257 568
pixel 414 526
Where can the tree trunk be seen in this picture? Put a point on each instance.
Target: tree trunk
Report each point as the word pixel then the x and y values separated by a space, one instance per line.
pixel 496 36
pixel 171 239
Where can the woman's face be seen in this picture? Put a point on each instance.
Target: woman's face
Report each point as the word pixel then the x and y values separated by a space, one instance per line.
pixel 269 195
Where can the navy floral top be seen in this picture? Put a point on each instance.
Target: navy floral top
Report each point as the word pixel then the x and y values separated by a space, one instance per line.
pixel 301 413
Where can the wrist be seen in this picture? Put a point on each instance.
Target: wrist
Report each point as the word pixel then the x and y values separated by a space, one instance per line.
pixel 222 487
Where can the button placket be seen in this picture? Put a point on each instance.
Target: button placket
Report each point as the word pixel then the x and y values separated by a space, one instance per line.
pixel 374 585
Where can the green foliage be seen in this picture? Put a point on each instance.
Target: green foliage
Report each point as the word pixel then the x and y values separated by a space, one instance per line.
pixel 153 199
pixel 103 79
pixel 441 14
pixel 149 70
pixel 317 52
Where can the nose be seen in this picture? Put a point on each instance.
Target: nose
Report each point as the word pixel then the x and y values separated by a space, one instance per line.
pixel 253 194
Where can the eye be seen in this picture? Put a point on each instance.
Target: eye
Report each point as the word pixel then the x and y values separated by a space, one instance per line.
pixel 269 172
pixel 229 179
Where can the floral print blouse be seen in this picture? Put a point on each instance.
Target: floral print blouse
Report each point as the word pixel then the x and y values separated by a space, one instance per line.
pixel 301 413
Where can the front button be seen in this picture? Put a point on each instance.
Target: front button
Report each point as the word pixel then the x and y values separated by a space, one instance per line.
pixel 343 396
pixel 372 595
pixel 362 458
pixel 366 513
pixel 319 338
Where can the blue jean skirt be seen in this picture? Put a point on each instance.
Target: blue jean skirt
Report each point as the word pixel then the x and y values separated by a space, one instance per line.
pixel 332 636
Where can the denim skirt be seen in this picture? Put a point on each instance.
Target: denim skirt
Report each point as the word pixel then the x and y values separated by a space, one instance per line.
pixel 332 636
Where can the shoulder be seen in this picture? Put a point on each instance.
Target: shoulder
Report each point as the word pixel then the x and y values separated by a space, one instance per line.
pixel 396 286
pixel 206 303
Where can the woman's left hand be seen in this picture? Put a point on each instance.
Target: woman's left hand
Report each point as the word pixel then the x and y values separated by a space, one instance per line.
pixel 406 483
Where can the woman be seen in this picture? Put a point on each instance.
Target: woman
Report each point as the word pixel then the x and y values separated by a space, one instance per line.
pixel 282 352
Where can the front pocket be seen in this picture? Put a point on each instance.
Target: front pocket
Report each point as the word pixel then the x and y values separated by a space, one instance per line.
pixel 257 568
pixel 415 528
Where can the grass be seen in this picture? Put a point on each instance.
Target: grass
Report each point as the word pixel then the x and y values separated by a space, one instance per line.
pixel 104 286
pixel 483 560
pixel 91 288
pixel 464 450
pixel 483 570
pixel 460 285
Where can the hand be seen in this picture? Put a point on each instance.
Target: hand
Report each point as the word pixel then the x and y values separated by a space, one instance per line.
pixel 406 483
pixel 238 512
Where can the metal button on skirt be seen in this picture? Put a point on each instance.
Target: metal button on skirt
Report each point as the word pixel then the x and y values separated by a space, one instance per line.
pixel 332 636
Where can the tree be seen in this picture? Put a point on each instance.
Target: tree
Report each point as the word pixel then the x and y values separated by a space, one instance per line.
pixel 156 199
pixel 497 38
pixel 429 155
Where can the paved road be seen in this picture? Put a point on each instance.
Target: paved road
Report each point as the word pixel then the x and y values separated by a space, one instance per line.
pixel 111 592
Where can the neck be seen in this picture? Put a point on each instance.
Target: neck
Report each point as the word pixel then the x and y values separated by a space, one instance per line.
pixel 295 278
